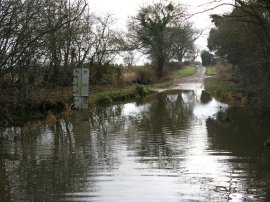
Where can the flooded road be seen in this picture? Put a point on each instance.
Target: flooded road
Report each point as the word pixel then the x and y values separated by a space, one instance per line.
pixel 176 146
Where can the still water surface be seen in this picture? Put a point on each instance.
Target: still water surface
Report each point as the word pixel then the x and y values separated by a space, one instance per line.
pixel 177 146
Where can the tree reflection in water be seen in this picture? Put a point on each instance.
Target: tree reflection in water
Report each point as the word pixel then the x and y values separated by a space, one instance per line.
pixel 185 142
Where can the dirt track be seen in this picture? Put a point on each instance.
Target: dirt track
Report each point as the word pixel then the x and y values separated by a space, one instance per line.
pixel 193 82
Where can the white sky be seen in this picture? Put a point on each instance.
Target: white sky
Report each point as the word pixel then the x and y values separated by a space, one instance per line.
pixel 122 9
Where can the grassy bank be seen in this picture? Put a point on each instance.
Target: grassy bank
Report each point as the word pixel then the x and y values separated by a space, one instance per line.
pixel 217 86
pixel 109 96
pixel 186 71
pixel 211 71
pixel 225 91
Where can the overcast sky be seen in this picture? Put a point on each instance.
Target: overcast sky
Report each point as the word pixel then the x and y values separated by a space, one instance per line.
pixel 122 9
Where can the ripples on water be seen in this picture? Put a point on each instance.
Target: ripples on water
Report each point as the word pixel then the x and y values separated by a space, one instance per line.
pixel 182 146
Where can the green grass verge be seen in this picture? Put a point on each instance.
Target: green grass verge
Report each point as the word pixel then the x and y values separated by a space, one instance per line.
pixel 186 71
pixel 211 71
pixel 111 95
pixel 214 85
pixel 226 91
pixel 160 85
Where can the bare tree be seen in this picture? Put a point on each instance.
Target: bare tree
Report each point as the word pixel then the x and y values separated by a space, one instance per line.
pixel 129 59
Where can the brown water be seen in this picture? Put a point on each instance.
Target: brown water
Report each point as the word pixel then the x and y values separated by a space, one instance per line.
pixel 181 146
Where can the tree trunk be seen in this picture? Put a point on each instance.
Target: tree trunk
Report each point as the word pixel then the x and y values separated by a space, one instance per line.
pixel 160 65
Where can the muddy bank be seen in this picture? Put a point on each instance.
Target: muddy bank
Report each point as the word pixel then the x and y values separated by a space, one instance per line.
pixel 36 106
pixel 18 107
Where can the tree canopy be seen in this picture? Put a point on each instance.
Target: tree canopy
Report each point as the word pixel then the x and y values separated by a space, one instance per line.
pixel 161 32
pixel 242 39
pixel 207 58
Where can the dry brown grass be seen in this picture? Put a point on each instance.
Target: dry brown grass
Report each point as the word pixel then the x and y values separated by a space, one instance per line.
pixel 68 112
pixel 51 118
pixel 129 75
pixel 63 94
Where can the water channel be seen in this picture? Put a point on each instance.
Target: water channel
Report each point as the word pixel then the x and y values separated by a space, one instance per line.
pixel 174 146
